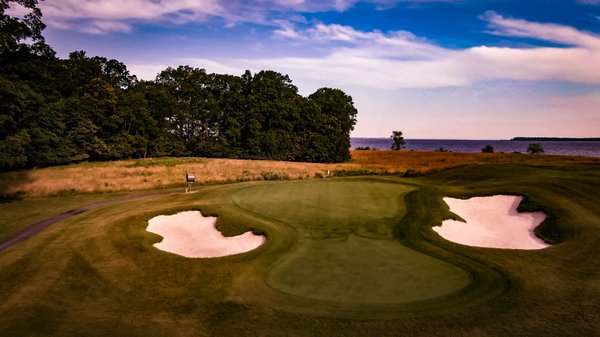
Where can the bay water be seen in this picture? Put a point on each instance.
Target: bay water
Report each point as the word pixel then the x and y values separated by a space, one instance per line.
pixel 570 148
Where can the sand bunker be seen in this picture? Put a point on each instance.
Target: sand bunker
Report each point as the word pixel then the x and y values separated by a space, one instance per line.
pixel 190 234
pixel 492 222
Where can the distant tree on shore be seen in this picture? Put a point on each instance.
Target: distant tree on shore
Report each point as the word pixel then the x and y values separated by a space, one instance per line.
pixel 535 148
pixel 397 140
pixel 487 149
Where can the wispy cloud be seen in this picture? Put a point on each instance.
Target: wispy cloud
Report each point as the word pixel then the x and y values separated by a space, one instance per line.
pixel 102 26
pixel 394 59
pixel 398 59
pixel 543 31
pixel 394 45
pixel 118 16
pixel 108 16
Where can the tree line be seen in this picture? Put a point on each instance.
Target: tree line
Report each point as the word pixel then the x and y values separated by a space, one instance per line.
pixel 56 111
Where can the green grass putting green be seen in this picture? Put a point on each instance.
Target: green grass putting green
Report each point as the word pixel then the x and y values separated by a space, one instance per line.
pixel 344 257
pixel 359 270
pixel 345 250
pixel 329 208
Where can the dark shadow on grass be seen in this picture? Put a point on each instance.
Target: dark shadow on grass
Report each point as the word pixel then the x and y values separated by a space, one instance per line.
pixel 10 179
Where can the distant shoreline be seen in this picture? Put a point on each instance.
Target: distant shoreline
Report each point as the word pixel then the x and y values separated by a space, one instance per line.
pixel 555 139
pixel 581 147
pixel 520 139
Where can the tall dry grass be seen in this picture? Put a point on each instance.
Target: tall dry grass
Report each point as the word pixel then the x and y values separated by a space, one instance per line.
pixel 160 173
pixel 424 162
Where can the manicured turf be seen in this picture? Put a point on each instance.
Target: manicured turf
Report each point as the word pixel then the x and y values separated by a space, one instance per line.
pixel 360 270
pixel 329 208
pixel 345 250
pixel 97 274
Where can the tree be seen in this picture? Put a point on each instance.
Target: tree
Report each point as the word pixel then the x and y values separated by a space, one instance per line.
pixel 195 121
pixel 162 107
pixel 398 140
pixel 535 148
pixel 487 149
pixel 56 111
pixel 272 112
pixel 16 33
pixel 335 116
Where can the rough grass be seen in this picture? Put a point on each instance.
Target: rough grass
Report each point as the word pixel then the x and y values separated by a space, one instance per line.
pixel 160 173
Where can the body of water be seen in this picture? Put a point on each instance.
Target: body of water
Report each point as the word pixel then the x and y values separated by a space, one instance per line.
pixel 571 148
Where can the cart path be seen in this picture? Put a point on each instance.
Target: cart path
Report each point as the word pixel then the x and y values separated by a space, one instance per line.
pixel 37 227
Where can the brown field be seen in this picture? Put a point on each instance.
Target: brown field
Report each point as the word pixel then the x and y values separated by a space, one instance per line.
pixel 162 173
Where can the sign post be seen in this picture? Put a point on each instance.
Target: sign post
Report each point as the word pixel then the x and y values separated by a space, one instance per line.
pixel 190 178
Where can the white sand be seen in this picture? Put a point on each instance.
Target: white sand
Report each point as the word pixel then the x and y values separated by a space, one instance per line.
pixel 190 234
pixel 492 222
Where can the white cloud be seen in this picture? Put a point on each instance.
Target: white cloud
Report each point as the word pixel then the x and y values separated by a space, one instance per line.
pixel 342 5
pixel 563 64
pixel 389 60
pixel 287 30
pixel 117 16
pixel 393 45
pixel 102 26
pixel 542 31
pixel 401 60
pixel 93 16
pixel 84 15
pixel 290 3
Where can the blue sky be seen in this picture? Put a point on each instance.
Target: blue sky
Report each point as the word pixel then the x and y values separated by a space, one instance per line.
pixel 460 69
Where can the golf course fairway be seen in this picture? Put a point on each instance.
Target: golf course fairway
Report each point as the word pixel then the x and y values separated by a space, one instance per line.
pixel 343 256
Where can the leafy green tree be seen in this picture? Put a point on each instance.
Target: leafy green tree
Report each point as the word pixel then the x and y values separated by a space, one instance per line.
pixel 397 140
pixel 13 150
pixel 22 34
pixel 137 127
pixel 271 113
pixel 18 104
pixel 115 73
pixel 196 116
pixel 227 90
pixel 337 118
pixel 56 111
pixel 487 149
pixel 535 148
pixel 162 108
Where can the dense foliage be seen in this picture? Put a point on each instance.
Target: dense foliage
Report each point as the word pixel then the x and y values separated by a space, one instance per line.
pixel 397 140
pixel 535 148
pixel 57 111
pixel 487 149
